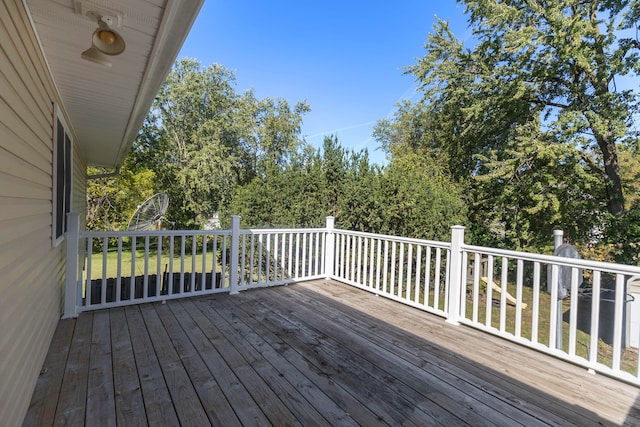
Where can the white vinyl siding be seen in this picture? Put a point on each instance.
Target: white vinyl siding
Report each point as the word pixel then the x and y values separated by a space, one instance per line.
pixel 32 270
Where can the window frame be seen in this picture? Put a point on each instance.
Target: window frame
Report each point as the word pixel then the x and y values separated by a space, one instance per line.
pixel 62 176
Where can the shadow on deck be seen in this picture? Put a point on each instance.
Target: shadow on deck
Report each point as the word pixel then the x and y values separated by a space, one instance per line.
pixel 314 353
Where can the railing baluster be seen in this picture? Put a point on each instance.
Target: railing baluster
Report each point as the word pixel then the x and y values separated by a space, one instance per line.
pixel 371 262
pixel 183 238
pixel 87 288
pixel 409 278
pixel 349 257
pixel 519 278
pixel 119 271
pixel 617 321
pixel 392 282
pixel 401 269
pixel 595 318
pixel 436 280
pixel 536 302
pixel 132 279
pixel 304 255
pixel 503 294
pixel 103 289
pixel 416 295
pixel 489 296
pixel 317 254
pixel 145 281
pixel 192 285
pixel 243 265
pixel 214 264
pixel 359 260
pixel 158 267
pixel 204 263
pixel 297 255
pixel 378 262
pixel 573 312
pixel 464 284
pixel 224 281
pixel 283 256
pixel 553 311
pixel 268 258
pixel 260 261
pixel 476 285
pixel 170 277
pixel 427 277
pixel 276 260
pixel 290 260
pixel 309 255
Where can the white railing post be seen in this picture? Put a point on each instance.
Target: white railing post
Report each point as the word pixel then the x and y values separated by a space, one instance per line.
pixel 329 249
pixel 558 239
pixel 235 253
pixel 457 283
pixel 71 266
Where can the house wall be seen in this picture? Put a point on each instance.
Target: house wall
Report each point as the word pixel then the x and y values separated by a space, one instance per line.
pixel 31 269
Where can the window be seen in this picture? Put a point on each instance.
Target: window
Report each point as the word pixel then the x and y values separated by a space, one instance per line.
pixel 61 180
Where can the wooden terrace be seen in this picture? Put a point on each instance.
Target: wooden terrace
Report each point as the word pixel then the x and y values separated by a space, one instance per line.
pixel 312 353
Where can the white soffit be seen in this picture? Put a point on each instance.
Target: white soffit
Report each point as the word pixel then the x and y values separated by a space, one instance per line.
pixel 107 105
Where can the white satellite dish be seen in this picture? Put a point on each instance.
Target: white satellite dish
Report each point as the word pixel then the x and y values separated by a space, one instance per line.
pixel 150 214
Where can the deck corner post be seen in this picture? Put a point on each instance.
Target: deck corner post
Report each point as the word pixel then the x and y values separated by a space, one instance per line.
pixel 457 282
pixel 329 249
pixel 558 238
pixel 71 266
pixel 235 253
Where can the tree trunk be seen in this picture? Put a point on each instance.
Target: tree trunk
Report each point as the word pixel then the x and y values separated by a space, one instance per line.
pixel 613 183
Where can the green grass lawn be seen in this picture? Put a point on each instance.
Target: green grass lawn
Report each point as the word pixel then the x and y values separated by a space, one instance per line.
pixel 152 265
pixel 629 358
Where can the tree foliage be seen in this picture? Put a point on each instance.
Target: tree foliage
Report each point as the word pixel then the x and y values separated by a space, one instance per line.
pixel 532 116
pixel 413 196
pixel 202 139
pixel 112 200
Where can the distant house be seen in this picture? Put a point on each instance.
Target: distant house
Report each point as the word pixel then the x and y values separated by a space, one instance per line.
pixel 60 113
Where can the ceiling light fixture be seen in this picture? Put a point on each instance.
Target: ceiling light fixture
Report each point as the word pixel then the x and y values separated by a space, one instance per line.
pixel 104 41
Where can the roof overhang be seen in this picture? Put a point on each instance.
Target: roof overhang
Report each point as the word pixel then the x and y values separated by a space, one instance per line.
pixel 106 106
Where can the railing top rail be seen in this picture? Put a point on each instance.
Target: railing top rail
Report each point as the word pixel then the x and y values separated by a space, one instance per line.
pixel 153 233
pixel 281 230
pixel 443 245
pixel 553 259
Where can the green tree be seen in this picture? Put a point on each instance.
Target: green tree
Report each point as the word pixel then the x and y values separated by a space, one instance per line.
pixel 420 198
pixel 552 63
pixel 202 139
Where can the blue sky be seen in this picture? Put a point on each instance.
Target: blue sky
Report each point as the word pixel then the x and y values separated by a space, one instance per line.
pixel 345 58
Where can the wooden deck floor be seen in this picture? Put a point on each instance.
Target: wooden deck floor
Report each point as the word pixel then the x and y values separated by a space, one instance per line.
pixel 316 353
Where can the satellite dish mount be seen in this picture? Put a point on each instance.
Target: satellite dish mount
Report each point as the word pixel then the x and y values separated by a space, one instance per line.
pixel 150 214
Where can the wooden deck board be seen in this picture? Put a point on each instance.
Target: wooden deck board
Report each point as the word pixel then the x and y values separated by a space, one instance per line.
pixel 273 377
pixel 126 385
pixel 101 404
pixel 315 353
pixel 213 401
pixel 418 385
pixel 512 365
pixel 159 409
pixel 183 395
pixel 44 401
pixel 72 400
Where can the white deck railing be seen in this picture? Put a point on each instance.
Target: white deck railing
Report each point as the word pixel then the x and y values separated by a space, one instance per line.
pixel 411 271
pixel 117 268
pixel 506 293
